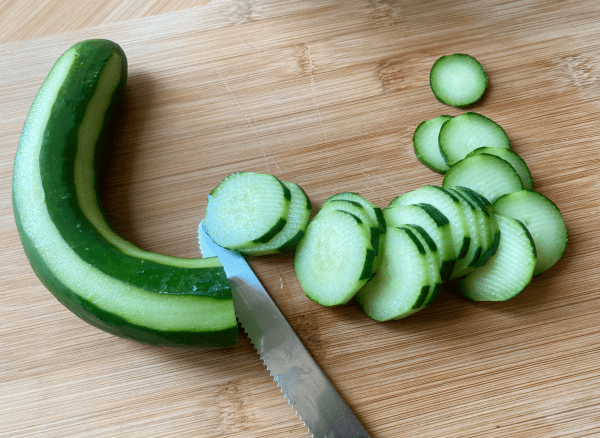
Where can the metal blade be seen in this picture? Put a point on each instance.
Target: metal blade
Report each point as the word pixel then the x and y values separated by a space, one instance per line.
pixel 306 387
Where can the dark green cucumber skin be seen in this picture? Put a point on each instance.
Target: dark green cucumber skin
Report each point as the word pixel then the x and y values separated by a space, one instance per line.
pixel 57 162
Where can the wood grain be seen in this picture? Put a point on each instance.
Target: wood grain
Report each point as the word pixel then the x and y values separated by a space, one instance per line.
pixel 326 94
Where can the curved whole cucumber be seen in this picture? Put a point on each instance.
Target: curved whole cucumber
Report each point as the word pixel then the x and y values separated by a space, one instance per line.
pixel 102 278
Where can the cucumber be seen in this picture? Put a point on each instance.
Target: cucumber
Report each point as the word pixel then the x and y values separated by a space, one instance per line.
pixel 458 80
pixel 358 210
pixel 467 264
pixel 427 146
pixel 486 174
pixel 433 263
pixel 434 222
pixel 294 229
pixel 99 276
pixel 449 206
pixel 544 221
pixel 246 209
pixel 335 258
pixel 467 132
pixel 400 287
pixel 509 270
pixel 515 161
pixel 488 226
pixel 374 211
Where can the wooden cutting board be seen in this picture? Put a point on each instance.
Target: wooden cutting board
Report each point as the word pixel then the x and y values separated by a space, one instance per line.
pixel 326 94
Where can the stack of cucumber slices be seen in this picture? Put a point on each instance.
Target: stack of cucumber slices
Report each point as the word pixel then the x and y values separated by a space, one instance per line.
pixel 485 229
pixel 257 214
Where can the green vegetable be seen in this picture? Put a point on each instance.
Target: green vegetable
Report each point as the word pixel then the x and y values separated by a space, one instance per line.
pixel 509 270
pixel 247 209
pixel 99 276
pixel 467 132
pixel 544 221
pixel 401 286
pixel 488 175
pixel 335 258
pixel 458 80
pixel 427 145
pixel 294 229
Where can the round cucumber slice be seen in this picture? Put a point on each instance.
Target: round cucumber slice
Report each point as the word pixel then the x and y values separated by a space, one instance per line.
pixel 458 80
pixel 509 270
pixel 335 258
pixel 247 208
pixel 427 146
pixel 544 221
pixel 486 174
pixel 294 229
pixel 434 222
pixel 467 132
pixel 401 285
pixel 515 161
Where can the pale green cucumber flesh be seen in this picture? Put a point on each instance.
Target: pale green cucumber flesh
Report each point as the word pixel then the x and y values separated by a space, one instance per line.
pixel 247 208
pixel 356 209
pixel 335 258
pixel 458 80
pixel 449 206
pixel 489 175
pixel 508 271
pixel 294 229
pixel 401 284
pixel 467 132
pixel 436 225
pixel 433 262
pixel 372 209
pixel 488 226
pixel 427 146
pixel 544 221
pixel 468 263
pixel 515 161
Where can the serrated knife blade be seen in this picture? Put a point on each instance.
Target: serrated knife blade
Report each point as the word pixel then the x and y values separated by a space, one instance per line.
pixel 306 387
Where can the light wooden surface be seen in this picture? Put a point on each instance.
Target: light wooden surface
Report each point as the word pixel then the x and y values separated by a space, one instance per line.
pixel 326 94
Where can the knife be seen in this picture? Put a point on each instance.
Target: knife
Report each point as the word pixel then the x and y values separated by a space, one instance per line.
pixel 306 387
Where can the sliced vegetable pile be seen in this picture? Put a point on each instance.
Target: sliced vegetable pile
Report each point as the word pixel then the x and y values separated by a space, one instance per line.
pixel 484 229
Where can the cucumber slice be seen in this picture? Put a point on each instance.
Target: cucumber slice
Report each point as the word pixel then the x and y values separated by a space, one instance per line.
pixel 374 211
pixel 488 226
pixel 434 222
pixel 515 161
pixel 401 284
pixel 509 270
pixel 467 264
pixel 544 221
pixel 294 229
pixel 433 262
pixel 486 174
pixel 458 80
pixel 335 258
pixel 467 132
pixel 449 206
pixel 247 208
pixel 358 210
pixel 427 146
